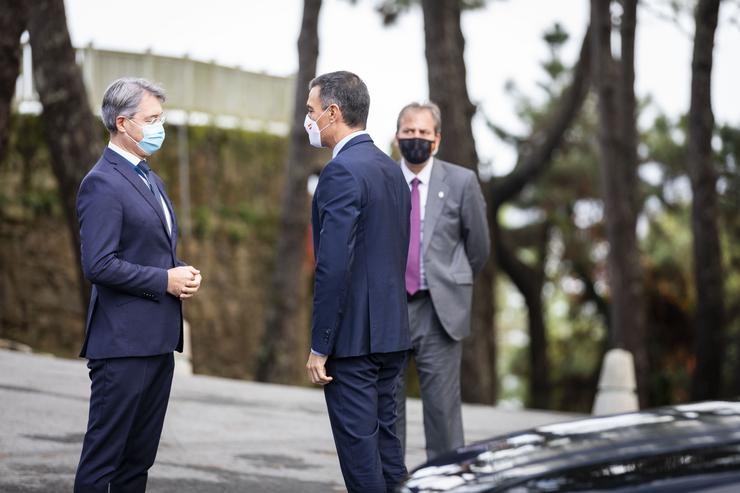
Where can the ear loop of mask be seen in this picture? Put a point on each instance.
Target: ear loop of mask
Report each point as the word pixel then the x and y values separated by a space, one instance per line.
pixel 322 114
pixel 134 140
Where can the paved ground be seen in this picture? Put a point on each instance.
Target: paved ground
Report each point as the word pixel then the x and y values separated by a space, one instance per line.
pixel 220 436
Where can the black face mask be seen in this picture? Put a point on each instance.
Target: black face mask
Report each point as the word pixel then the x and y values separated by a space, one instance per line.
pixel 415 151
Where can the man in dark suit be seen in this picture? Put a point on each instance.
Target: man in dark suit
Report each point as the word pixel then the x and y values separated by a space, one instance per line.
pixel 359 334
pixel 449 245
pixel 128 235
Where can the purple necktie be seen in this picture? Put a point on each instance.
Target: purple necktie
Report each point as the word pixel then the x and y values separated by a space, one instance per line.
pixel 413 263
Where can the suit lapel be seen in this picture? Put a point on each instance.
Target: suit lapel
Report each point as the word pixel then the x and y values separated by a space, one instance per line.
pixel 436 196
pixel 171 209
pixel 125 168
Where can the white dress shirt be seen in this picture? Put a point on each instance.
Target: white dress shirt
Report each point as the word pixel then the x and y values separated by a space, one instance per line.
pixel 424 176
pixel 134 159
pixel 342 142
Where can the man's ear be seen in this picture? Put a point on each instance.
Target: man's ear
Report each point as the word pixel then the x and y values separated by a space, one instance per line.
pixel 437 141
pixel 335 114
pixel 119 123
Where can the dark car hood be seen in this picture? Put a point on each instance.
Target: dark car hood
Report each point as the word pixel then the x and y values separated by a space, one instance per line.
pixel 595 453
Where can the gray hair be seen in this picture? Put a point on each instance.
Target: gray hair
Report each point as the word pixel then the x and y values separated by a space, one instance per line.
pixel 347 91
pixel 430 107
pixel 122 98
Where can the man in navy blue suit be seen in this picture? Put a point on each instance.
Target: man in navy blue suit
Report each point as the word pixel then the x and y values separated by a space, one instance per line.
pixel 360 332
pixel 128 236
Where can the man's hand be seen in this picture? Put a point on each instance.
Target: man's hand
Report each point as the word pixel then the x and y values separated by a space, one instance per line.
pixel 316 369
pixel 183 282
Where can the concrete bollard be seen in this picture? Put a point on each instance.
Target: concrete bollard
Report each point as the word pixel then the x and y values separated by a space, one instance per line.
pixel 184 360
pixel 616 391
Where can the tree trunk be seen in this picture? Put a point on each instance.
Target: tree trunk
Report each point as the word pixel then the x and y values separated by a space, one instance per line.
pixel 577 250
pixel 12 25
pixel 444 50
pixel 285 340
pixel 529 281
pixel 479 371
pixel 70 127
pixel 635 339
pixel 709 318
pixel 535 156
pixel 614 84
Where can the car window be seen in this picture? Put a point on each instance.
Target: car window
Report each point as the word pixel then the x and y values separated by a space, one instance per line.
pixel 707 469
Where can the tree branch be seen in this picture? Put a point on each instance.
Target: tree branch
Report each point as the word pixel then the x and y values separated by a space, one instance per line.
pixel 536 155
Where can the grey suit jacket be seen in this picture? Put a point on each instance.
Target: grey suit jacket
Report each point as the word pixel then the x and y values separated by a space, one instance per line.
pixel 455 243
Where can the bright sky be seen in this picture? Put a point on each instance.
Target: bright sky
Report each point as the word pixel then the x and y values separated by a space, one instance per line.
pixel 503 42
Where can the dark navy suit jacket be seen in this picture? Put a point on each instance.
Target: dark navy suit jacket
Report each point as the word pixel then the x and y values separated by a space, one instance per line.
pixel 126 251
pixel 360 220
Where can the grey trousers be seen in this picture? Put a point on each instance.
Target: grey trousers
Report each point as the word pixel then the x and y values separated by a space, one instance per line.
pixel 437 358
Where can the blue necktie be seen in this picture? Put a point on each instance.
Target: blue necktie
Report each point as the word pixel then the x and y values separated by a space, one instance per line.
pixel 143 170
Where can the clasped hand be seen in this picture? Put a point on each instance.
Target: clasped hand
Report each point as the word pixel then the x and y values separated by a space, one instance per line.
pixel 183 282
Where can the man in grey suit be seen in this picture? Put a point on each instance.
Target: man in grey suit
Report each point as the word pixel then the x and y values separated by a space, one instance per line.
pixel 449 243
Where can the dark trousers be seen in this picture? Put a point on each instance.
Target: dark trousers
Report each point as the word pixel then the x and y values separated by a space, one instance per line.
pixel 128 402
pixel 362 409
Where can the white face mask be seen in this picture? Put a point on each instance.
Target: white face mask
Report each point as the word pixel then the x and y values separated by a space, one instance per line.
pixel 313 130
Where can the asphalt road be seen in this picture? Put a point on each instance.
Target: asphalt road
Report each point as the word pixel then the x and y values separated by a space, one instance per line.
pixel 220 435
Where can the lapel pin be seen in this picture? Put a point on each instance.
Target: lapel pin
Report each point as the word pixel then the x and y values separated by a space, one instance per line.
pixel 441 195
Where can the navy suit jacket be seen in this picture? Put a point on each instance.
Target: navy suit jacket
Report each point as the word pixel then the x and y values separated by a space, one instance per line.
pixel 360 218
pixel 126 252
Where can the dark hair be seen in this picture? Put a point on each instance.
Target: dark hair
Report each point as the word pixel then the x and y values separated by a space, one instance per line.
pixel 347 91
pixel 427 106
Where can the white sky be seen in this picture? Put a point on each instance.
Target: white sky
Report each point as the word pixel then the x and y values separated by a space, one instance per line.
pixel 503 42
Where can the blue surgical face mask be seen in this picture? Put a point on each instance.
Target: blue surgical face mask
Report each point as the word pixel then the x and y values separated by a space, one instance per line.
pixel 153 136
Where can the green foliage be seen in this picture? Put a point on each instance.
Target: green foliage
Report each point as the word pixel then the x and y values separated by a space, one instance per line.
pixel 728 156
pixel 202 222
pixel 555 38
pixel 235 177
pixel 568 198
pixel 577 335
pixel 27 184
pixel 729 204
pixel 235 181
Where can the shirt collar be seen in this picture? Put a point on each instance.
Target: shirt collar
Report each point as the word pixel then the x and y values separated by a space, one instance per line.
pixel 131 158
pixel 346 139
pixel 424 175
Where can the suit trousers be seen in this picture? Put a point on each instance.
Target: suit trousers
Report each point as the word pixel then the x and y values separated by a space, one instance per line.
pixel 361 400
pixel 128 402
pixel 437 358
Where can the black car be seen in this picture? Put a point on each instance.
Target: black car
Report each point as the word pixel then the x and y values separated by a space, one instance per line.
pixel 692 447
